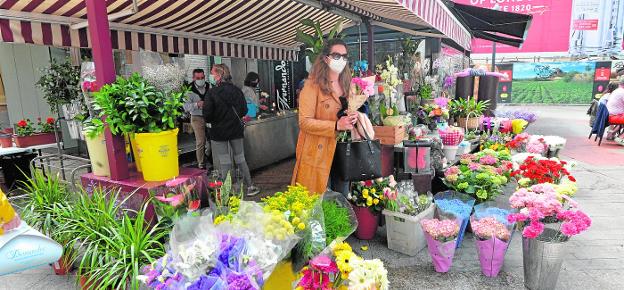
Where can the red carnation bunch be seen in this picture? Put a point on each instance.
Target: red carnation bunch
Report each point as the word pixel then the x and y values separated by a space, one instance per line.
pixel 543 171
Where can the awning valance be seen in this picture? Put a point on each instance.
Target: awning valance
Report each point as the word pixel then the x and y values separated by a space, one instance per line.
pixel 262 29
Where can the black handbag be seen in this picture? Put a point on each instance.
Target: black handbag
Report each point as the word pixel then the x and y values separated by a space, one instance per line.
pixel 358 160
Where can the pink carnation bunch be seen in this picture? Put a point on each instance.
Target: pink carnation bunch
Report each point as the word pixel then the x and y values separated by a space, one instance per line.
pixel 574 222
pixel 489 227
pixel 363 86
pixel 440 230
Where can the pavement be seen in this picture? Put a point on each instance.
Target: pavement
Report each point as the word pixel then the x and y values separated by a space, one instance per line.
pixel 594 260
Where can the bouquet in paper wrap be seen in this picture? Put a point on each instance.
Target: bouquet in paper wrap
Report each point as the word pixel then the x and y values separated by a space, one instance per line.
pixel 441 235
pixel 492 233
pixel 451 136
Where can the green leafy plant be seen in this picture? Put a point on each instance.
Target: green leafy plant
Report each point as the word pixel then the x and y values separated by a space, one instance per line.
pixel 133 105
pixel 314 41
pixel 409 47
pixel 425 91
pixel 93 127
pixel 337 221
pixel 60 84
pixel 463 108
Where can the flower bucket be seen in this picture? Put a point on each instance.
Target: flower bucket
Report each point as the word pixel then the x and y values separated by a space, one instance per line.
pixel 457 204
pixel 98 155
pixel 491 255
pixel 441 253
pixel 158 155
pixel 34 140
pixel 135 152
pixel 450 152
pixel 60 268
pixel 282 277
pixel 405 235
pixel 367 223
pixel 542 260
pixel 6 141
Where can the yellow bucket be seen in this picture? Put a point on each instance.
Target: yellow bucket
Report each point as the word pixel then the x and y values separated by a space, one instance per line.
pixel 158 155
pixel 135 151
pixel 98 154
pixel 282 277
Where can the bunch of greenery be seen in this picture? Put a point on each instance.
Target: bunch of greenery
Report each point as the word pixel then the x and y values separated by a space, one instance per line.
pixel 337 221
pixel 315 41
pixel 133 105
pixel 60 84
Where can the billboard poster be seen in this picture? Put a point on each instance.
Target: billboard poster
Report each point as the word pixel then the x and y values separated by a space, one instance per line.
pixel 553 82
pixel 596 27
pixel 549 30
pixel 505 83
pixel 602 77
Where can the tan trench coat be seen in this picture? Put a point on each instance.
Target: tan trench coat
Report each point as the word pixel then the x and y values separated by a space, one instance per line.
pixel 317 138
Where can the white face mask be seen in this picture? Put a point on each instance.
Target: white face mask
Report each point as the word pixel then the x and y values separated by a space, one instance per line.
pixel 200 83
pixel 337 65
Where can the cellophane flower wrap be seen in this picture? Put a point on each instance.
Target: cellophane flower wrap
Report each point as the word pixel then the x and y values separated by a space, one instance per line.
pixel 477 177
pixel 540 204
pixel 236 254
pixel 451 136
pixel 457 205
pixel 441 235
pixel 338 267
pixel 493 232
pixel 535 170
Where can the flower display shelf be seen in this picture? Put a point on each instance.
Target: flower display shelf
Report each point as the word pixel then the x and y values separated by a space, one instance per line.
pixel 389 135
pixel 33 140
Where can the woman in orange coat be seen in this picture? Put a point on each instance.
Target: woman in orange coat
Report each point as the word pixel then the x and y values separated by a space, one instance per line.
pixel 319 122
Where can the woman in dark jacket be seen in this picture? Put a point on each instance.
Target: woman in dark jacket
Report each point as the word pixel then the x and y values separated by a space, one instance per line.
pixel 224 109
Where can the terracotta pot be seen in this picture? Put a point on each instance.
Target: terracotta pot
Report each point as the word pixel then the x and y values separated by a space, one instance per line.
pixel 84 285
pixel 6 141
pixel 60 268
pixel 367 223
pixel 33 140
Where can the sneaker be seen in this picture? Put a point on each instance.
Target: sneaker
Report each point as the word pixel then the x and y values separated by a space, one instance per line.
pixel 252 190
pixel 619 141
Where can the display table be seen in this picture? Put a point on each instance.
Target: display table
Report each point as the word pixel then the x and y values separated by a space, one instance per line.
pixel 136 184
pixel 271 140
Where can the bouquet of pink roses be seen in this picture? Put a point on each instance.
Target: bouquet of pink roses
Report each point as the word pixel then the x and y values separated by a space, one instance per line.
pixel 441 238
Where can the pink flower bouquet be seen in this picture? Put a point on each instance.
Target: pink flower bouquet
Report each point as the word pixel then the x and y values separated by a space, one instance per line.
pixel 492 239
pixel 441 238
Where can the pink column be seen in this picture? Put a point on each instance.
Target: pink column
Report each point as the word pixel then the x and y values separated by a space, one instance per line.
pixel 105 73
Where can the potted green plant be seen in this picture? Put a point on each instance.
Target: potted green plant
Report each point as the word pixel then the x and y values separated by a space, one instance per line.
pixel 96 145
pixel 60 84
pixel 136 107
pixel 314 41
pixel 468 112
pixel 28 134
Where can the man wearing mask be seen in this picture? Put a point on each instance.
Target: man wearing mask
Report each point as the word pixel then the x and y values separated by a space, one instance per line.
pixel 193 105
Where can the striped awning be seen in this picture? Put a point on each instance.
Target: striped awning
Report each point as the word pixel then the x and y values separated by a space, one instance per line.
pixel 426 13
pixel 261 29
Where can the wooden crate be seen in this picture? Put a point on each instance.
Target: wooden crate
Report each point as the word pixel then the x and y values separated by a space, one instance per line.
pixel 389 135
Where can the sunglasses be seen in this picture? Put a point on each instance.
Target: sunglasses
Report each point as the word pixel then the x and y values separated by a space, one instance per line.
pixel 338 56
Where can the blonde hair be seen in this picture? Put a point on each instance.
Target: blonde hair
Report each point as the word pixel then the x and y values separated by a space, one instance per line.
pixel 223 71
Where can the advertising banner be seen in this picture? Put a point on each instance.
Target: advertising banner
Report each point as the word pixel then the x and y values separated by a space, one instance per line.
pixel 602 76
pixel 553 82
pixel 549 31
pixel 504 84
pixel 596 27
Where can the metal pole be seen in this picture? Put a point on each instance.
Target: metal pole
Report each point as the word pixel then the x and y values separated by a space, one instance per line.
pixel 370 45
pixel 493 56
pixel 97 17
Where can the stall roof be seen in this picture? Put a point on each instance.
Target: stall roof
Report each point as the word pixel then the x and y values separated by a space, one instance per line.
pixel 409 13
pixel 236 28
pixel 484 23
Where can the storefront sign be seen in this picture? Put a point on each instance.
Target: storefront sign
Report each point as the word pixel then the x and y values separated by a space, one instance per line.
pixel 283 83
pixel 504 84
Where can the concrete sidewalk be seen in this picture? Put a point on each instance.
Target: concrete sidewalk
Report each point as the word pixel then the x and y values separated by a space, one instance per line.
pixel 595 259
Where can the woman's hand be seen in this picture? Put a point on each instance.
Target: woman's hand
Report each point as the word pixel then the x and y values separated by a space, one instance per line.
pixel 346 122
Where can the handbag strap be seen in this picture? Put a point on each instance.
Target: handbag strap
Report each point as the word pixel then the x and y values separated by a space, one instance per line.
pixel 367 139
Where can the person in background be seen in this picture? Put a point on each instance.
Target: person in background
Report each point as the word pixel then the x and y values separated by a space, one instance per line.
pixel 193 105
pixel 321 115
pixel 615 106
pixel 224 108
pixel 249 89
pixel 605 96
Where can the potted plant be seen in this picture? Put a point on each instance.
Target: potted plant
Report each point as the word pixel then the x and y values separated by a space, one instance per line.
pixel 29 134
pixel 96 145
pixel 368 199
pixel 468 112
pixel 136 107
pixel 537 205
pixel 314 42
pixel 60 84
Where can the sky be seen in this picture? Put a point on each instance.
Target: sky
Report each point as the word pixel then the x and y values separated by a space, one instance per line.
pixel 527 70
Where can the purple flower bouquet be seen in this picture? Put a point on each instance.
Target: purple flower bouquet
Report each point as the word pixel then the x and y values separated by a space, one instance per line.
pixel 492 235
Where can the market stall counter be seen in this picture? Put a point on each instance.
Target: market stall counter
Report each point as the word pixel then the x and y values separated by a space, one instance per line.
pixel 271 139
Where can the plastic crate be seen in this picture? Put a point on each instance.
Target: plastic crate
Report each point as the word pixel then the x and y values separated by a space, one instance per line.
pixel 404 232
